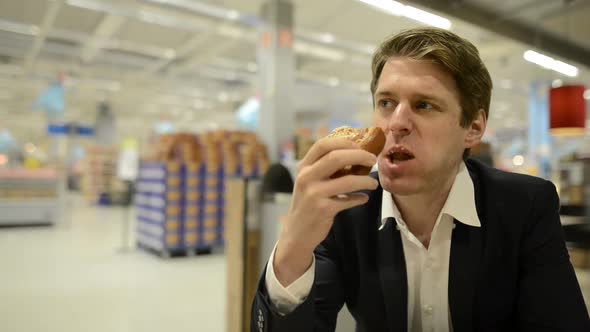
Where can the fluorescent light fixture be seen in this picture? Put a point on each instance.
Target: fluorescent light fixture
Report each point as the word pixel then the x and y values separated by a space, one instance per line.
pixel 170 53
pixel 24 29
pixel 230 31
pixel 252 67
pixel 125 45
pixel 389 7
pixel 233 14
pixel 550 63
pixel 231 76
pixel 201 8
pixel 327 38
pixel 399 9
pixel 120 9
pixel 318 51
pixel 370 49
pixel 223 97
pixel 89 4
pixel 426 17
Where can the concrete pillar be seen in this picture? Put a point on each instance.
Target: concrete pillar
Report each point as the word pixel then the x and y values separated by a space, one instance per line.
pixel 276 71
pixel 539 138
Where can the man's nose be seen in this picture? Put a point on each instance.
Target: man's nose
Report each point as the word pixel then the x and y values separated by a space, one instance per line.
pixel 400 122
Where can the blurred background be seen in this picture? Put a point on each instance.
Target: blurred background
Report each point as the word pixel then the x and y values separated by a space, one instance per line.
pixel 147 147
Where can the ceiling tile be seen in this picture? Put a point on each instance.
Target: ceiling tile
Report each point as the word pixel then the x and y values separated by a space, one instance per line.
pixel 23 11
pixel 152 34
pixel 77 19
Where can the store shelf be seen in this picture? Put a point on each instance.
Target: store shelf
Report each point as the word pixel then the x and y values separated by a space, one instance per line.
pixel 29 196
pixel 32 201
pixel 99 175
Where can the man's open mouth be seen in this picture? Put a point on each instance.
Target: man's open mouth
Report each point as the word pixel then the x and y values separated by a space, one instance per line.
pixel 399 153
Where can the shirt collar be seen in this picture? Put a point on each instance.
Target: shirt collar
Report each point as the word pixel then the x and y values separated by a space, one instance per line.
pixel 460 203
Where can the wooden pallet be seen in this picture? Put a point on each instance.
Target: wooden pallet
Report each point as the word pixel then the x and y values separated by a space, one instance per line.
pixel 173 252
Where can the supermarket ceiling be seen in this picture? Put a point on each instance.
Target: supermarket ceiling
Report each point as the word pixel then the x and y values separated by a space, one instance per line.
pixel 194 61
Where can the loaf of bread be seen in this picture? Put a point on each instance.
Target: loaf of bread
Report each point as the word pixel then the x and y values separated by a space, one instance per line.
pixel 369 139
pixel 186 148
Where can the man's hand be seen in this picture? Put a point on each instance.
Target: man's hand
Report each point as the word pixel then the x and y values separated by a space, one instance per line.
pixel 316 200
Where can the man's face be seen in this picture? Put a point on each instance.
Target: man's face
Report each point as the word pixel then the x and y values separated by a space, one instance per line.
pixel 417 106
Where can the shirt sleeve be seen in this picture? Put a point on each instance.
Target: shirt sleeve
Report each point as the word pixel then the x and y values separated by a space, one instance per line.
pixel 286 299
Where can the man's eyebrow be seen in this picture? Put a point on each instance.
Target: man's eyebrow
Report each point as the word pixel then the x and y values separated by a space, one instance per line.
pixel 433 98
pixel 384 93
pixel 417 95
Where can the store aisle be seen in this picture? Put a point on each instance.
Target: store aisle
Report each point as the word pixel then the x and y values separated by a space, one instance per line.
pixel 72 277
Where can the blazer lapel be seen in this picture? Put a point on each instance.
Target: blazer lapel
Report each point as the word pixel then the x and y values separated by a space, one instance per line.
pixel 463 274
pixel 392 272
pixel 464 265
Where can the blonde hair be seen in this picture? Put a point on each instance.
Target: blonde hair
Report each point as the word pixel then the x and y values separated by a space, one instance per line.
pixel 458 56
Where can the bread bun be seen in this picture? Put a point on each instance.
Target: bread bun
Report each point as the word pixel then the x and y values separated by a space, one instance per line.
pixel 369 139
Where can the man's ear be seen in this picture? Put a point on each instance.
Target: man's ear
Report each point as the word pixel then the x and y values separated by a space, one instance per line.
pixel 476 129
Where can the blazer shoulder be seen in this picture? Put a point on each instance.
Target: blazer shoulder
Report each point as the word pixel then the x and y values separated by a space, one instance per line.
pixel 507 186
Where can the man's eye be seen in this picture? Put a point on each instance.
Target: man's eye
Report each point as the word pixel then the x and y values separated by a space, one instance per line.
pixel 386 104
pixel 424 105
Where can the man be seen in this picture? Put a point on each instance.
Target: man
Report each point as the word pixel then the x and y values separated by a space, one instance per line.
pixel 433 241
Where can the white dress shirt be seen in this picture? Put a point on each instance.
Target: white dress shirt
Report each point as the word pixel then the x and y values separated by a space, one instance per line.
pixel 427 269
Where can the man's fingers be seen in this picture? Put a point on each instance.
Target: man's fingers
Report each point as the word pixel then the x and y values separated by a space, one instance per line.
pixel 350 200
pixel 323 146
pixel 347 184
pixel 338 159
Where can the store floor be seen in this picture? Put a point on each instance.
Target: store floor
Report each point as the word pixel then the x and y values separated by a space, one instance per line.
pixel 73 277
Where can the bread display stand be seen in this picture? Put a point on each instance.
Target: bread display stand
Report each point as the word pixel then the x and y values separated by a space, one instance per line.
pixel 159 210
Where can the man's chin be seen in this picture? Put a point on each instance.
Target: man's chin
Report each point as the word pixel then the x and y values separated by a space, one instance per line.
pixel 398 186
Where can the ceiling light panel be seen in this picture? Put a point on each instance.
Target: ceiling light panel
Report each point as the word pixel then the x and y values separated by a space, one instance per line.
pixel 548 62
pixel 145 15
pixel 201 8
pixel 399 9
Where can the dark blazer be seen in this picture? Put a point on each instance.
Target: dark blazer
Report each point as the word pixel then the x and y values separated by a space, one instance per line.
pixel 512 273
